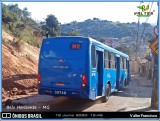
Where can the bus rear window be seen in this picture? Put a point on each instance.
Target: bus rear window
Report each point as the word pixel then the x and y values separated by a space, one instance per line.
pixel 66 50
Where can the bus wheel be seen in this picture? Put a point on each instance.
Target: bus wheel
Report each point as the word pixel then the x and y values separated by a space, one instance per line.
pixel 106 97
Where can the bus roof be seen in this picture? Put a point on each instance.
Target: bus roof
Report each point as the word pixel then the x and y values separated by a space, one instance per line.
pixel 96 43
pixel 63 37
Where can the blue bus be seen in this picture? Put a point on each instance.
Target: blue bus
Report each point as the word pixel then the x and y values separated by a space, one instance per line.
pixel 81 67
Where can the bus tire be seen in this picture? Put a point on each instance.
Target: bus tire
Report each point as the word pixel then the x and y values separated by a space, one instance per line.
pixel 105 98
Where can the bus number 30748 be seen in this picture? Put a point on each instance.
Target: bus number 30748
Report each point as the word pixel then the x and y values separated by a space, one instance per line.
pixel 60 92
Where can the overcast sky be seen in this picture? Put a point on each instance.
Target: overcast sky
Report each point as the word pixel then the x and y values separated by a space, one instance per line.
pixel 79 11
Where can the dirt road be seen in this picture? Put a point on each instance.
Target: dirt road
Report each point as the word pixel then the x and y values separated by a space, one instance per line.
pixel 20 71
pixel 135 97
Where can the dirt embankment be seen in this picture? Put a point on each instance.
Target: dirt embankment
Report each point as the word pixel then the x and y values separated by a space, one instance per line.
pixel 19 66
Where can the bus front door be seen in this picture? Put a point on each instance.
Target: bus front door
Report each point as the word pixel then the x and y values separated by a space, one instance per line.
pixel 99 58
pixel 128 72
pixel 118 73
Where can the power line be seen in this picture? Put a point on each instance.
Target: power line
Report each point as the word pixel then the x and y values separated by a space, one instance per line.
pixel 146 22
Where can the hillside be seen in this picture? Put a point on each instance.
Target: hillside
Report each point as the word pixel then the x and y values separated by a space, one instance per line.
pixel 19 66
pixel 100 29
pixel 18 23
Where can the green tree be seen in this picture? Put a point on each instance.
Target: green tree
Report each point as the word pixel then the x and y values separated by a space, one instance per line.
pixel 73 33
pixel 25 16
pixel 96 19
pixel 26 13
pixel 18 23
pixel 51 26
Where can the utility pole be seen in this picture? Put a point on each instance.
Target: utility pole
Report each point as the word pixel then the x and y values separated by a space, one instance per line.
pixel 154 99
pixel 137 44
pixel 137 41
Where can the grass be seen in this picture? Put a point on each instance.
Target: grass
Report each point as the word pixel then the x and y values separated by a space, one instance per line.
pixel 24 35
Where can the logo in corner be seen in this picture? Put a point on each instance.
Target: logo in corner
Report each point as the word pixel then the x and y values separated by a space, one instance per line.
pixel 143 11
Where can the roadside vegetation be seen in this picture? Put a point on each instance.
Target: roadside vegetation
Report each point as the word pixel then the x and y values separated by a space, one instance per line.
pixel 19 23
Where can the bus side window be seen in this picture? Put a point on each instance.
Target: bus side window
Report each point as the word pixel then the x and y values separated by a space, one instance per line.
pixel 121 63
pixel 106 59
pixel 93 56
pixel 125 63
pixel 113 60
pixel 109 60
